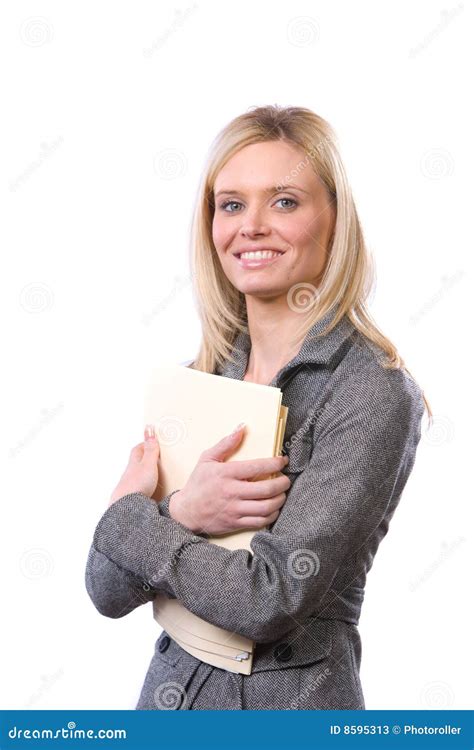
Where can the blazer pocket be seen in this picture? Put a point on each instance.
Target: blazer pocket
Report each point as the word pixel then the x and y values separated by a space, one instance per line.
pixel 305 645
pixel 167 650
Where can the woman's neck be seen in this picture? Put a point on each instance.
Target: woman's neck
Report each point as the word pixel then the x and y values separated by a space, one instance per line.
pixel 271 329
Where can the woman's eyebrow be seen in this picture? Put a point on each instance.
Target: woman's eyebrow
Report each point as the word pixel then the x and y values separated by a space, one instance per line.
pixel 274 189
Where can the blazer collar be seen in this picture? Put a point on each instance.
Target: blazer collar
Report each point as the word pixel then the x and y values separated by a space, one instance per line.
pixel 313 350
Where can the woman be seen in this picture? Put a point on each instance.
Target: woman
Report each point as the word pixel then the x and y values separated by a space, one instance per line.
pixel 282 277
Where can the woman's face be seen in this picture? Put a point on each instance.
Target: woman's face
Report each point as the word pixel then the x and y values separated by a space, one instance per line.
pixel 254 211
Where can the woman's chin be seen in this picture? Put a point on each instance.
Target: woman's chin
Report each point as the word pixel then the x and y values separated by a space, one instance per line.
pixel 266 292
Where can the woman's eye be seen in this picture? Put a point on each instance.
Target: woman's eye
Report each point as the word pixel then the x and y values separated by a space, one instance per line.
pixel 236 203
pixel 289 200
pixel 229 203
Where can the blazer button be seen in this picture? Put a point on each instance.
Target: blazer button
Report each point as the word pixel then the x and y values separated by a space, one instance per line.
pixel 163 644
pixel 283 652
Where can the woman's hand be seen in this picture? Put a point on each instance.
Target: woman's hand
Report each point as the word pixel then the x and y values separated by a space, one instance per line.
pixel 218 496
pixel 141 474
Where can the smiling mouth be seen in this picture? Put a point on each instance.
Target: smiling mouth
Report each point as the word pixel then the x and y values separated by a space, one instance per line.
pixel 259 255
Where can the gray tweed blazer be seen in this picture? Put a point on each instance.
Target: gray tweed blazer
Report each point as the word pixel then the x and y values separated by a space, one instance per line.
pixel 352 433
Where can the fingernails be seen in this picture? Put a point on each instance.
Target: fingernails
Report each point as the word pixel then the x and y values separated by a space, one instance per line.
pixel 150 432
pixel 238 428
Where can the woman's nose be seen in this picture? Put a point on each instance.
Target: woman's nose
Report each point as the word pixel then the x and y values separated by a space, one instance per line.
pixel 254 222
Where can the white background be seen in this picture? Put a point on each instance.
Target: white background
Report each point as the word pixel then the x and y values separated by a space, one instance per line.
pixel 109 109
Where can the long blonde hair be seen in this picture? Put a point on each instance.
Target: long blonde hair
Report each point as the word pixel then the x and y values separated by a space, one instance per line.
pixel 349 274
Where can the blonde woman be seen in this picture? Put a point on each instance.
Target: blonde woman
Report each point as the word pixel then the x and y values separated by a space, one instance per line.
pixel 282 276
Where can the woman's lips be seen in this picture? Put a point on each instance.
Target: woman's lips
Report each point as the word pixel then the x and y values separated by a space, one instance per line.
pixel 256 262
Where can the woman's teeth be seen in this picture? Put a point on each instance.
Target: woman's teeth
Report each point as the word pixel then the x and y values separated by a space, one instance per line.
pixel 260 254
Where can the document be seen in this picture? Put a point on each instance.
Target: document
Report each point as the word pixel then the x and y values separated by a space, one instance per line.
pixel 192 411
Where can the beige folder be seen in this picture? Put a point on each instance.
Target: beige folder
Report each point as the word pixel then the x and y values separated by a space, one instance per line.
pixel 192 411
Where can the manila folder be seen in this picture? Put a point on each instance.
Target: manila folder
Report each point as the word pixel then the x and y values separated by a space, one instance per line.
pixel 191 411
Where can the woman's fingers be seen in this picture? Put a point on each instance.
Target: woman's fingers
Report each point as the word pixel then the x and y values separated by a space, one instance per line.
pixel 257 522
pixel 251 469
pixel 260 508
pixel 150 446
pixel 136 453
pixel 261 488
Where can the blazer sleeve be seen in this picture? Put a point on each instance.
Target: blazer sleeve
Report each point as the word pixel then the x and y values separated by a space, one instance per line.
pixel 114 591
pixel 364 447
